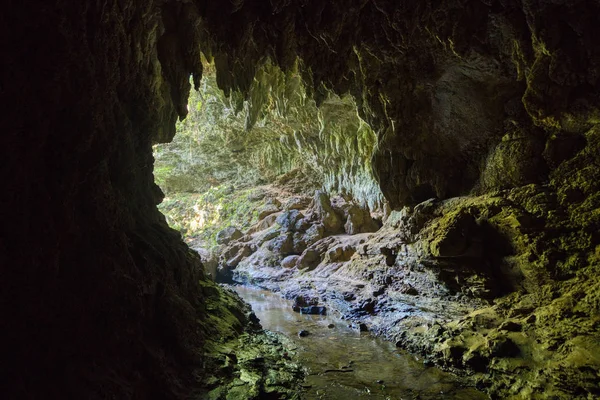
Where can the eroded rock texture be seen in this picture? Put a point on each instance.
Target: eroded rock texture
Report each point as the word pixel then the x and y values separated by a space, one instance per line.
pixel 453 89
pixel 102 299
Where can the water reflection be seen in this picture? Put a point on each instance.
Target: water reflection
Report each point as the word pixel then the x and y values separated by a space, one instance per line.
pixel 344 364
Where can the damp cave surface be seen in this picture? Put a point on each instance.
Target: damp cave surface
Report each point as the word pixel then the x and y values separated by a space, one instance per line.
pixel 344 363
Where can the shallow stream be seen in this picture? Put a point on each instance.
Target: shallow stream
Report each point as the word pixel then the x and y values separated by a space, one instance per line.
pixel 345 364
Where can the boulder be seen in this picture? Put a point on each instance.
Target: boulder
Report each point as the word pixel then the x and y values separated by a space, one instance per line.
pixel 288 219
pixel 274 202
pixel 296 203
pixel 302 225
pixel 314 234
pixel 266 223
pixel 265 236
pixel 290 261
pixel 283 244
pixel 231 251
pixel 453 237
pixel 242 253
pixel 267 210
pixel 310 258
pixel 359 220
pixel 228 234
pixel 330 219
pixel 210 261
pixel 303 301
pixel 299 243
pixel 340 253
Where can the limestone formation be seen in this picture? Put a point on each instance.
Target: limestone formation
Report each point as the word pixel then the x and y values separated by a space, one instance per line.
pixel 477 122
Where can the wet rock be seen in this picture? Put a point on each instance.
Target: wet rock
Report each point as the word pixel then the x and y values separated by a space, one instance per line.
pixel 228 234
pixel 366 307
pixel 299 302
pixel 379 291
pixel 363 327
pixel 562 147
pixel 390 255
pixel 244 252
pixel 453 353
pixel 515 161
pixel 408 289
pixel 262 259
pixel 231 258
pixel 313 310
pixel 349 296
pixel 331 326
pixel 531 319
pixel 290 261
pixel 303 333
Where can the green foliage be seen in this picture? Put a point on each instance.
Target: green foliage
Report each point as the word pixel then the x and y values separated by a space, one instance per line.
pixel 202 215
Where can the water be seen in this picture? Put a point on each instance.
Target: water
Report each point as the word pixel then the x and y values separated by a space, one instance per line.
pixel 345 364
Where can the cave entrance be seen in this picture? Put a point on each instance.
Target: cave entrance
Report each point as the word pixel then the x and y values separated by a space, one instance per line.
pixel 236 154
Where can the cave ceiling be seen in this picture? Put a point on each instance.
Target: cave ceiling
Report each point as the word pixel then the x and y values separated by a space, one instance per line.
pixel 450 88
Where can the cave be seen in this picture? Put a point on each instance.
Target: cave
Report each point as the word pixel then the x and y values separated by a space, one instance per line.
pixel 477 141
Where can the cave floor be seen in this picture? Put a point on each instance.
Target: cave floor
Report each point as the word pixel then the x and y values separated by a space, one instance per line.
pixel 440 281
pixel 344 363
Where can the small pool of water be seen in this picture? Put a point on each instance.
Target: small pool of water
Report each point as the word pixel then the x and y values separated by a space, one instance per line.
pixel 345 364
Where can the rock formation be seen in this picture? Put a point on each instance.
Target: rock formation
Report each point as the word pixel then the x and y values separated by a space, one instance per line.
pixel 495 101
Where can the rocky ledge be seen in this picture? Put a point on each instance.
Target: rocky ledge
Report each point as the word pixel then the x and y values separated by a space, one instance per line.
pixel 473 284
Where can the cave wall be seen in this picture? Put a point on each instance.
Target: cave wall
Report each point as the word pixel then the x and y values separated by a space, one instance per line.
pixel 101 298
pixel 451 88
